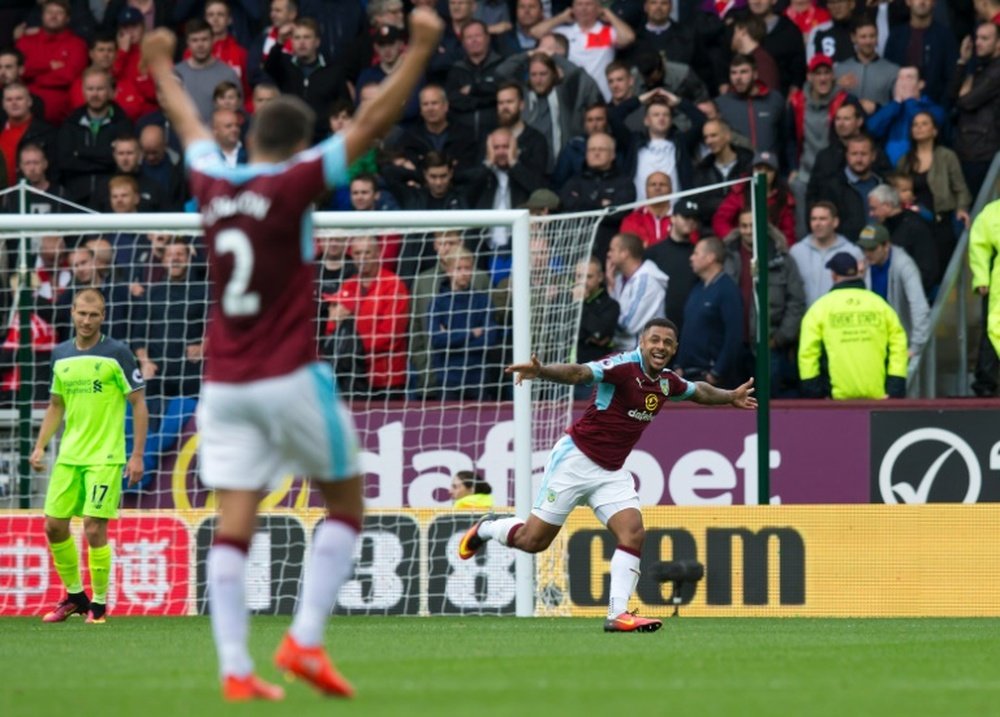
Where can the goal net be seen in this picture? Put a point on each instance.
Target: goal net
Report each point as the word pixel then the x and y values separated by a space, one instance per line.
pixel 418 314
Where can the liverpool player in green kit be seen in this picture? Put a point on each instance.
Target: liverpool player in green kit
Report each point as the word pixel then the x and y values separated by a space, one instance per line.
pixel 92 378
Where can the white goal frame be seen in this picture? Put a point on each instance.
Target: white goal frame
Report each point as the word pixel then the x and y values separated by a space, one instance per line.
pixel 517 220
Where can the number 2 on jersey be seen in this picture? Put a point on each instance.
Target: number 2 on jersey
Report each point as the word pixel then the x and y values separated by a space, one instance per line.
pixel 236 300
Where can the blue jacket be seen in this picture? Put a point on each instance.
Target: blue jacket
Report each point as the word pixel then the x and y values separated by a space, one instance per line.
pixel 891 123
pixel 458 356
pixel 712 337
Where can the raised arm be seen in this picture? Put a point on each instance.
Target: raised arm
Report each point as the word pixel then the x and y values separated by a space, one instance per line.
pixel 571 373
pixel 158 59
pixel 377 117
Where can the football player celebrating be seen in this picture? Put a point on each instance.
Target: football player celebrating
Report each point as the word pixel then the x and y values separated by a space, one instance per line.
pixel 585 465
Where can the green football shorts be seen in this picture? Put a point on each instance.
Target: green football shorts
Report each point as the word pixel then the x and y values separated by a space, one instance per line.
pixel 92 491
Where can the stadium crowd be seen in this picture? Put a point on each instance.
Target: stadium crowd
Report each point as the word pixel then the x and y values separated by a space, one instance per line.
pixel 875 122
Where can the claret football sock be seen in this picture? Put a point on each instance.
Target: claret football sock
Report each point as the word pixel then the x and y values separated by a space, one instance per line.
pixel 227 602
pixel 624 576
pixel 331 562
pixel 67 564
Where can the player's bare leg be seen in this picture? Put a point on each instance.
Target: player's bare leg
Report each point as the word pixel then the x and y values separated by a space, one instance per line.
pixel 626 525
pixel 331 562
pixel 67 563
pixel 227 560
pixel 531 536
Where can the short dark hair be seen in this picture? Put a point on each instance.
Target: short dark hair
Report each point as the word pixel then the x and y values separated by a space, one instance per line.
pixel 827 205
pixel 100 35
pixel 196 25
pixel 224 87
pixel 435 159
pixel 469 23
pixel 367 177
pixel 511 85
pixel 632 244
pixel 861 137
pixel 739 59
pixel 561 40
pixel 474 482
pixel 17 54
pixel 282 125
pixel 662 323
pixel 310 23
pixel 29 147
pixel 863 20
pixel 716 248
pixel 341 104
pixel 617 65
pixel 754 26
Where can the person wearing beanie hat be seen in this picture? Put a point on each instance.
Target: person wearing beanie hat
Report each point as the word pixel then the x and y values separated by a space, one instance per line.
pixel 861 336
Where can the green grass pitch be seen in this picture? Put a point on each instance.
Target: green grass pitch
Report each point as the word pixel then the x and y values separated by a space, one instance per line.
pixel 478 667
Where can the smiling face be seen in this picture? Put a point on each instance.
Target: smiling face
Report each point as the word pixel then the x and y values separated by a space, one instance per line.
pixel 658 344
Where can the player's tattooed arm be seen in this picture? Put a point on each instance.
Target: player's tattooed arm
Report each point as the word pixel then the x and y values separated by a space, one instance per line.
pixel 570 373
pixel 709 395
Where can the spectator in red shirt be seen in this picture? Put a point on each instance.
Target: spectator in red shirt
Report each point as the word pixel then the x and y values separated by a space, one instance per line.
pixel 53 58
pixel 12 70
pixel 282 15
pixel 135 90
pixel 379 303
pixel 651 223
pixel 21 128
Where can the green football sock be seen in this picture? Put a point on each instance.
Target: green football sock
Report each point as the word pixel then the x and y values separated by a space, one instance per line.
pixel 67 563
pixel 100 572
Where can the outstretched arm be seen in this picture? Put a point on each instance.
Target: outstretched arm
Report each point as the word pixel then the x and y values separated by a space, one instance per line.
pixel 158 59
pixel 571 373
pixel 377 117
pixel 709 395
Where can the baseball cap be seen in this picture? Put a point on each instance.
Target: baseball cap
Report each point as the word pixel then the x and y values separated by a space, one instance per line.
pixel 820 61
pixel 766 158
pixel 130 16
pixel 872 236
pixel 843 264
pixel 388 34
pixel 542 199
pixel 687 208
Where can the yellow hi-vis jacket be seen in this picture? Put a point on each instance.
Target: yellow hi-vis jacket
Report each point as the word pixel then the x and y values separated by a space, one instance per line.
pixel 863 339
pixel 984 245
pixel 476 501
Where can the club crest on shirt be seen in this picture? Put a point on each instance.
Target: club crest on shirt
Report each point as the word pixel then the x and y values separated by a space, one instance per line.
pixel 665 386
pixel 652 402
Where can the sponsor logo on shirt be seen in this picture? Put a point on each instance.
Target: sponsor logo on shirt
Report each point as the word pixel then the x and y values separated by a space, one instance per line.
pixel 652 402
pixel 640 415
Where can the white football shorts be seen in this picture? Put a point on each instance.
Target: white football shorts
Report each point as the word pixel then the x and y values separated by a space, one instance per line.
pixel 252 435
pixel 571 479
